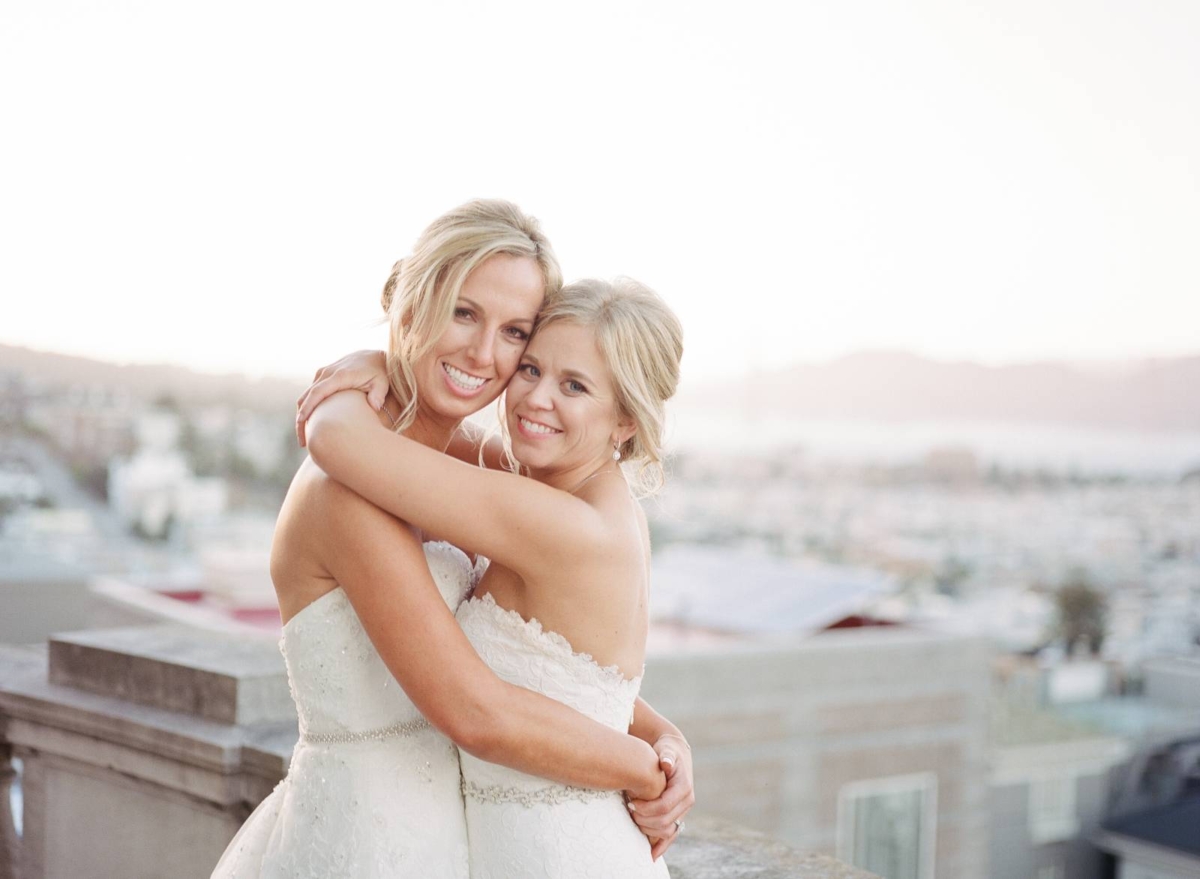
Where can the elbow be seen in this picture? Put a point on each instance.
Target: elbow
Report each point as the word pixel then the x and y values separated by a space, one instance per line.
pixel 477 739
pixel 324 436
pixel 474 728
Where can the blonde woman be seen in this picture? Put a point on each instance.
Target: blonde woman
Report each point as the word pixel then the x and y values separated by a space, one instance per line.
pixel 563 606
pixel 384 680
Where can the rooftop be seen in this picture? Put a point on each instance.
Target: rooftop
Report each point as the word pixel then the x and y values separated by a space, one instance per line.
pixel 1175 826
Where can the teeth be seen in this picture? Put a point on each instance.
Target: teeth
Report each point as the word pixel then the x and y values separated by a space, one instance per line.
pixel 462 379
pixel 533 427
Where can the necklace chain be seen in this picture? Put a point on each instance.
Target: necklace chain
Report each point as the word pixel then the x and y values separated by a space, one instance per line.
pixel 600 472
pixel 388 413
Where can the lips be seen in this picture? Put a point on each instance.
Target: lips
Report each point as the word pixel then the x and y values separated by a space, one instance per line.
pixel 463 381
pixel 535 428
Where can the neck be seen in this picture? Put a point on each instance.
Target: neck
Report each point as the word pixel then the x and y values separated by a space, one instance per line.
pixel 427 428
pixel 572 478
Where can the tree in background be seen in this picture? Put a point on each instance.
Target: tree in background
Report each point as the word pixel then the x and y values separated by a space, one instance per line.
pixel 1082 613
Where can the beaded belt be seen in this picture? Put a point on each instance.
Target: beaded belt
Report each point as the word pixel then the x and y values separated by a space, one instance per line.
pixel 395 731
pixel 553 795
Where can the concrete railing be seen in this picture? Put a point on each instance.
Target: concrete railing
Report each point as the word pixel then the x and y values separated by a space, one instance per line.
pixel 143 750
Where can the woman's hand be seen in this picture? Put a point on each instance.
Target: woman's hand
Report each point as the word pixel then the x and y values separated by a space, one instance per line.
pixel 661 819
pixel 363 370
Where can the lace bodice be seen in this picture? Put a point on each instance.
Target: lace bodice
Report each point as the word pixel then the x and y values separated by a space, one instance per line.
pixel 339 683
pixel 521 825
pixel 373 791
pixel 523 653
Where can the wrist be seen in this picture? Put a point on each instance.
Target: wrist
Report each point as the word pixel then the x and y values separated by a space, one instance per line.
pixel 677 737
pixel 650 779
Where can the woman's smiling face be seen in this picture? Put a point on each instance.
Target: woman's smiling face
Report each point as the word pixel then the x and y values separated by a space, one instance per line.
pixel 561 406
pixel 480 349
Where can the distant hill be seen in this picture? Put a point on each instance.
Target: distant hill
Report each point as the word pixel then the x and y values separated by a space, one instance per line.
pixel 148 381
pixel 1153 395
pixel 1162 394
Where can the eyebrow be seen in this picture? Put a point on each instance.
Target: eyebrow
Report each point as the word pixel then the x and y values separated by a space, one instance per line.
pixel 576 374
pixel 471 303
pixel 569 373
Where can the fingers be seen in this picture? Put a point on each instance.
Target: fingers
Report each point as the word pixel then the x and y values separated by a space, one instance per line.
pixel 658 847
pixel 376 394
pixel 667 760
pixel 653 809
pixel 656 818
pixel 319 391
pixel 663 826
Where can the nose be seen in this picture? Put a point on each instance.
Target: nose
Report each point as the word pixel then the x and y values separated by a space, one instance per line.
pixel 482 349
pixel 540 396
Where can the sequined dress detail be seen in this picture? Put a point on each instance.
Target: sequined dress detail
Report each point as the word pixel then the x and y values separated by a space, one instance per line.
pixel 523 826
pixel 373 791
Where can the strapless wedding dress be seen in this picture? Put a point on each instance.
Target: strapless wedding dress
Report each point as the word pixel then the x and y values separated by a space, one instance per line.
pixel 373 791
pixel 523 826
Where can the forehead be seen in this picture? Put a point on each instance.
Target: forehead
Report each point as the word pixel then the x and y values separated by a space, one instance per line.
pixel 510 286
pixel 568 346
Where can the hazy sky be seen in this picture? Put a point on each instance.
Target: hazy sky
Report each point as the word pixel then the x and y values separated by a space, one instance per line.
pixel 226 184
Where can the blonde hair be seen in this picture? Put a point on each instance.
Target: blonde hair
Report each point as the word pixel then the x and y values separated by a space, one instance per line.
pixel 641 341
pixel 421 293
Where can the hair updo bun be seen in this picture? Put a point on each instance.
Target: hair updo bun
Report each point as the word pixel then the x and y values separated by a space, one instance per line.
pixel 641 341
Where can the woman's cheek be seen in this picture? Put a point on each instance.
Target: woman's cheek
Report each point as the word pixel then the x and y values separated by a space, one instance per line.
pixel 511 361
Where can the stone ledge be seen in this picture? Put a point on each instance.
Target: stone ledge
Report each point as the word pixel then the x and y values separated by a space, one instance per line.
pixel 713 849
pixel 217 772
pixel 227 678
pixel 28 699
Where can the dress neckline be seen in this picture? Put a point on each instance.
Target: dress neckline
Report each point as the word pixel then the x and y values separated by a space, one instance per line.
pixel 425 545
pixel 556 642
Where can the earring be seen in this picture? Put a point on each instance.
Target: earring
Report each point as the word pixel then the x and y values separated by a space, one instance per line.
pixel 616 451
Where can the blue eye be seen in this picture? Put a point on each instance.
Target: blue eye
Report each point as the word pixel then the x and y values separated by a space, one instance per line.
pixel 529 370
pixel 575 387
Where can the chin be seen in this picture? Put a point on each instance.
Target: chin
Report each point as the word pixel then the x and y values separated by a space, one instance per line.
pixel 529 457
pixel 450 406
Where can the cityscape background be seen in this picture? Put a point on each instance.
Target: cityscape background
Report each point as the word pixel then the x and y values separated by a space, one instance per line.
pixel 927 565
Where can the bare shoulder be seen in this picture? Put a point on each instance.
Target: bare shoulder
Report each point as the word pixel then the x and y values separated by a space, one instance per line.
pixel 299 565
pixel 314 519
pixel 617 525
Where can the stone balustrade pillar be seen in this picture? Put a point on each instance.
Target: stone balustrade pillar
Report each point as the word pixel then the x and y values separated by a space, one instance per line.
pixel 9 844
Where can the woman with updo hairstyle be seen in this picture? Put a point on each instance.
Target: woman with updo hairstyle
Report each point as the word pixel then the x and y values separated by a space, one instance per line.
pixel 641 342
pixel 384 679
pixel 563 606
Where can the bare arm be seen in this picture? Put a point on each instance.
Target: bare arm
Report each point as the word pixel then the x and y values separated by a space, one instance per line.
pixel 513 521
pixel 364 371
pixel 381 566
pixel 656 818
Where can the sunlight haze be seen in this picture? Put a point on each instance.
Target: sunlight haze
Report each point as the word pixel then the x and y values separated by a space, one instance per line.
pixel 226 185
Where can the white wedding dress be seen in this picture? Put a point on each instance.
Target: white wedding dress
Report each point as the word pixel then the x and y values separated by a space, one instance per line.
pixel 523 826
pixel 373 791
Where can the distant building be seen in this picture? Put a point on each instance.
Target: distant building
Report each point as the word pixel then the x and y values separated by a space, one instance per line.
pixel 751 593
pixel 86 423
pixel 14 398
pixel 1161 843
pixel 867 742
pixel 1154 831
pixel 953 465
pixel 155 489
pixel 1049 788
